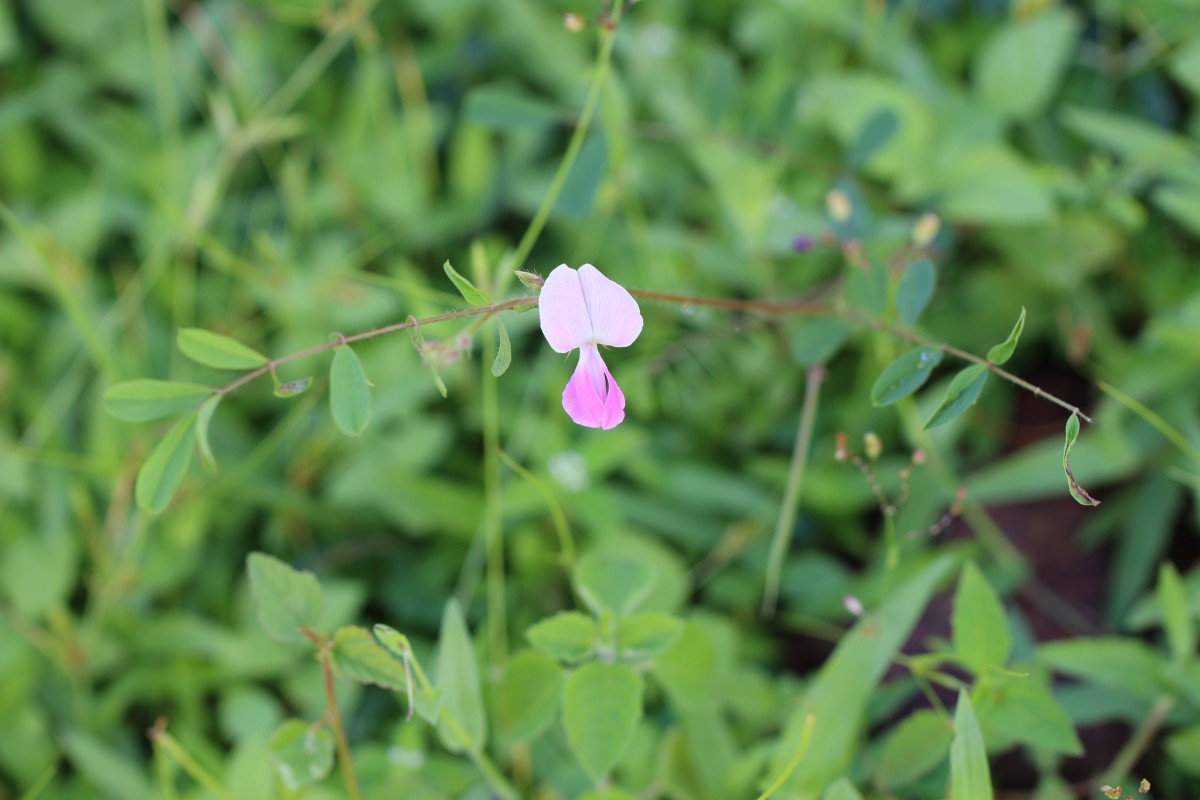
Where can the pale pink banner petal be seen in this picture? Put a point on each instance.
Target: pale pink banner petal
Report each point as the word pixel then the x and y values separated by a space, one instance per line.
pixel 592 398
pixel 615 318
pixel 562 311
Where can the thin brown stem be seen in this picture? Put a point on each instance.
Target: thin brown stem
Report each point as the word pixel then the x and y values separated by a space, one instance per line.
pixel 734 304
pixel 335 716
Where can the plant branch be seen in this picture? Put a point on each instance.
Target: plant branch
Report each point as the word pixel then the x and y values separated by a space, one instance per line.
pixel 166 742
pixel 335 716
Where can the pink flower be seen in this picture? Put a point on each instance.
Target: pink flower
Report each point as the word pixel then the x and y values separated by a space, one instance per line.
pixel 582 309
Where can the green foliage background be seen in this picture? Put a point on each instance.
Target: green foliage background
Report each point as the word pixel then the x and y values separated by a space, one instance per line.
pixel 281 170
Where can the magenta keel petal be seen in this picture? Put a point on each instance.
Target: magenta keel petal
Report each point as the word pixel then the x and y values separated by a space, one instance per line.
pixel 592 398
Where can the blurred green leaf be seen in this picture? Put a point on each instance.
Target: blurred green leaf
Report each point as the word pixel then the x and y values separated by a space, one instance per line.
pixel 915 290
pixel 217 351
pixel 970 777
pixel 164 470
pixel 843 789
pixel 203 417
pixel 963 392
pixel 501 108
pixel 606 581
pixel 641 636
pixel 503 351
pixel 688 669
pixel 108 770
pixel 916 746
pixel 816 340
pixel 905 375
pixel 1077 491
pixel 867 290
pixel 145 400
pixel 981 635
pixel 602 704
pixel 1183 748
pixel 1002 352
pixel 526 698
pixel 1022 710
pixel 568 636
pixel 38 572
pixel 287 599
pixel 349 392
pixel 1177 617
pixel 357 656
pixel 473 296
pixel 302 754
pixel 878 130
pixel 1022 64
pixel 1109 661
pixel 458 682
pixel 1143 143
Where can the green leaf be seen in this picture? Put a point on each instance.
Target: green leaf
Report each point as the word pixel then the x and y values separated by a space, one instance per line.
pixel 302 754
pixel 1177 618
pixel 970 778
pixel 962 393
pixel 203 417
pixel 164 470
pixel 905 375
pixel 145 400
pixel 1021 66
pixel 1183 747
pixel 873 136
pixel 867 290
pixel 607 581
pixel 1129 665
pixel 218 351
pixel 981 635
pixel 357 656
pixel 501 108
pixel 602 704
pixel 916 746
pixel 816 340
pixel 458 681
pixel 687 670
pixel 579 190
pixel 467 289
pixel 1004 351
pixel 641 636
pixel 503 351
pixel 526 699
pixel 288 389
pixel 837 697
pixel 349 392
pixel 568 636
pixel 1145 144
pixel 287 599
pixel 112 772
pixel 1185 65
pixel 915 291
pixel 1077 491
pixel 418 341
pixel 843 789
pixel 1022 710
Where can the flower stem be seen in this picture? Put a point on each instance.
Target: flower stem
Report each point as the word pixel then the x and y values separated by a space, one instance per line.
pixel 334 716
pixel 791 493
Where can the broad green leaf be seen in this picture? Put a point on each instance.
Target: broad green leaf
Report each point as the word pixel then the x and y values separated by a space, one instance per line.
pixel 1004 351
pixel 568 636
pixel 837 697
pixel 1077 491
pixel 302 754
pixel 203 447
pixel 1022 710
pixel 287 599
pixel 602 704
pixel 1181 201
pixel 1177 618
pixel 164 470
pixel 145 400
pixel 1151 519
pixel 357 656
pixel 1183 748
pixel 915 290
pixel 1143 143
pixel 905 375
pixel 467 289
pixel 687 670
pixel 39 571
pixel 1021 66
pixel 1185 65
pixel 873 136
pixel 526 699
pixel 641 636
pixel 109 770
pixel 970 778
pixel 962 393
pixel 605 581
pixel 218 351
pixel 458 681
pixel 502 108
pixel 349 392
pixel 867 289
pixel 816 340
pixel 981 635
pixel 1109 661
pixel 916 746
pixel 503 351
pixel 288 389
pixel 843 789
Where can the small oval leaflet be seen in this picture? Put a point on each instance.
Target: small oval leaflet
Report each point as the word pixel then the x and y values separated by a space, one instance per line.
pixel 349 392
pixel 915 290
pixel 962 393
pixel 503 351
pixel 1004 351
pixel 146 400
pixel 203 447
pixel 905 375
pixel 160 477
pixel 217 351
pixel 815 341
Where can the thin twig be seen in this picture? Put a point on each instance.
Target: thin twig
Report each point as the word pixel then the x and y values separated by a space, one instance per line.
pixel 335 716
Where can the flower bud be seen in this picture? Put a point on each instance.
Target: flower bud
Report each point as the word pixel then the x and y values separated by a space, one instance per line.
pixel 853 605
pixel 837 203
pixel 802 243
pixel 1144 786
pixel 573 22
pixel 840 452
pixel 530 280
pixel 926 229
pixel 872 445
pixel 918 457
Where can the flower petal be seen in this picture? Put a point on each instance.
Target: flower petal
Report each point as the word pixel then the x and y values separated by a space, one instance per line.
pixel 562 311
pixel 615 318
pixel 592 398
